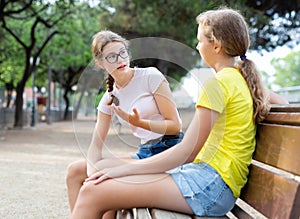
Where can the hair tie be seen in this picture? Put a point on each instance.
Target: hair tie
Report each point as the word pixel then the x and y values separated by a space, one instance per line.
pixel 243 57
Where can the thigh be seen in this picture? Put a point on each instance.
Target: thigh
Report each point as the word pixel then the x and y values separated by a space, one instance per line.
pixel 154 191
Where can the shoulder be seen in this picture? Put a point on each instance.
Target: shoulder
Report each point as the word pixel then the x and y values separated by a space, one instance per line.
pixel 148 70
pixel 154 72
pixel 230 77
pixel 228 73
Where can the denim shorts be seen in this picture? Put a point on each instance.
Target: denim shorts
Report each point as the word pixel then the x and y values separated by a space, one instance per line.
pixel 156 146
pixel 204 190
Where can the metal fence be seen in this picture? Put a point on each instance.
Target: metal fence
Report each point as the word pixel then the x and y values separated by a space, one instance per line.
pixel 292 94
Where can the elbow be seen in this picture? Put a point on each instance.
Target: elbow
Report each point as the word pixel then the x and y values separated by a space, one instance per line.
pixel 175 129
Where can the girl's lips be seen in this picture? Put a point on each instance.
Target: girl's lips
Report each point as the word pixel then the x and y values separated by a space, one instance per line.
pixel 121 67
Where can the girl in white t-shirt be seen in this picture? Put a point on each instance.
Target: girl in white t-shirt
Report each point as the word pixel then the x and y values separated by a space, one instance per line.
pixel 141 99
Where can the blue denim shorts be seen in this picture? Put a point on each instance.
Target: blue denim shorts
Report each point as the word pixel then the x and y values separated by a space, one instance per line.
pixel 156 146
pixel 203 189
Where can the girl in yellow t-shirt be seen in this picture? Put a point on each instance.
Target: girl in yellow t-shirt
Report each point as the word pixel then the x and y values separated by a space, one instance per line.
pixel 214 155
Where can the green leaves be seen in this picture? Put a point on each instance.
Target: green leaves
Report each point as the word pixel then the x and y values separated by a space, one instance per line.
pixel 287 70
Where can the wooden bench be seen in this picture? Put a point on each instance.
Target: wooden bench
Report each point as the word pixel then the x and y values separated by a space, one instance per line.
pixel 272 190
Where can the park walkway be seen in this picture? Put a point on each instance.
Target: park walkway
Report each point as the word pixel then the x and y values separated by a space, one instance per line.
pixel 33 164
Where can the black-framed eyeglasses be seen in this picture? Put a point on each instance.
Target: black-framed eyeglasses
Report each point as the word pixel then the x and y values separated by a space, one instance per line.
pixel 113 57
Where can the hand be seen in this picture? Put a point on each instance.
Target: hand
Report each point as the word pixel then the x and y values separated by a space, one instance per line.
pixel 133 119
pixel 98 177
pixel 105 174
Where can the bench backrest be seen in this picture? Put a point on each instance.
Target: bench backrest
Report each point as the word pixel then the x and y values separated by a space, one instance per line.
pixel 273 185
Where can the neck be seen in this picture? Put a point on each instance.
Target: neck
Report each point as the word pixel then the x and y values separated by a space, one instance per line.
pixel 219 66
pixel 124 80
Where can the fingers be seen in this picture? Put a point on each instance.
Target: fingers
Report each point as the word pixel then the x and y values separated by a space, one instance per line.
pixel 134 110
pixel 118 110
pixel 101 179
pixel 132 118
pixel 94 176
pixel 97 178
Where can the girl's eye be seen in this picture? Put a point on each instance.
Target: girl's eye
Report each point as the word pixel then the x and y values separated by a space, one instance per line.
pixel 123 52
pixel 111 56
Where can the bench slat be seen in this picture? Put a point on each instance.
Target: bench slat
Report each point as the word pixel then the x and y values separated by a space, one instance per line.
pixel 271 194
pixel 285 108
pixel 143 213
pixel 283 118
pixel 162 214
pixel 240 213
pixel 125 214
pixel 221 217
pixel 278 146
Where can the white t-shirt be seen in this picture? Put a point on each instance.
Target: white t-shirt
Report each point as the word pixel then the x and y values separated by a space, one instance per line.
pixel 139 94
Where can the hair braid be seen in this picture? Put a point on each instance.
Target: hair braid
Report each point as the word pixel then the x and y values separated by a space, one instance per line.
pixel 109 86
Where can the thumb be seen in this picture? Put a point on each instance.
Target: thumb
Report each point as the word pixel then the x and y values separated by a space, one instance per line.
pixel 134 110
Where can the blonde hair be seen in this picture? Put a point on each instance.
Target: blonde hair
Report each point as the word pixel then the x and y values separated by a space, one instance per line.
pixel 229 27
pixel 100 40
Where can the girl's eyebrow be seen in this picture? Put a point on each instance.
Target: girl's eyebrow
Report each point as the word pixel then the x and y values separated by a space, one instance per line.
pixel 122 48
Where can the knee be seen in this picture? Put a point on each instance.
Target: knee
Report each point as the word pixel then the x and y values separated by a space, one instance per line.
pixel 86 193
pixel 87 189
pixel 75 170
pixel 90 200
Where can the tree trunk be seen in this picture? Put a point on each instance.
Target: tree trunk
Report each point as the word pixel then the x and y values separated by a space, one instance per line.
pixel 67 104
pixel 9 89
pixel 8 98
pixel 76 110
pixel 19 105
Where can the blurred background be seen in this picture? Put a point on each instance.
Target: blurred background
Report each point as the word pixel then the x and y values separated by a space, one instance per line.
pixel 46 46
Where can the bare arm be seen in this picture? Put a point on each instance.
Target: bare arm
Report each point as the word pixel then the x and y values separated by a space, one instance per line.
pixel 181 153
pixel 276 99
pixel 167 107
pixel 95 149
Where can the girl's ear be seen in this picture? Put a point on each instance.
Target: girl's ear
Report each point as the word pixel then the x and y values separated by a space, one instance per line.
pixel 217 46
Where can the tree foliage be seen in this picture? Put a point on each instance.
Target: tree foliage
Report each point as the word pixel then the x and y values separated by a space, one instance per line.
pixel 60 33
pixel 274 23
pixel 287 70
pixel 70 52
pixel 173 20
pixel 30 24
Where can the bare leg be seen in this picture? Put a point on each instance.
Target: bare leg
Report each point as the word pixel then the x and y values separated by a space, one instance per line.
pixel 76 174
pixel 158 190
pixel 110 214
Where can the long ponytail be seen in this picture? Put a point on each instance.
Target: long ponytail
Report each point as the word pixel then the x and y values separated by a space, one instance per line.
pixel 258 93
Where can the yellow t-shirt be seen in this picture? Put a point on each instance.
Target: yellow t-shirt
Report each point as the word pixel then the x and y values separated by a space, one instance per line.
pixel 231 143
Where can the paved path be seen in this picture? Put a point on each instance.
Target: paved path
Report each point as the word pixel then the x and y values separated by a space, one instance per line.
pixel 33 164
